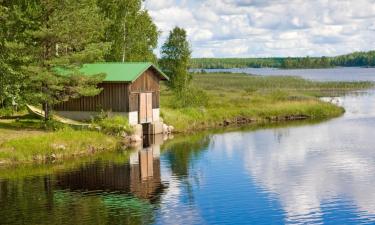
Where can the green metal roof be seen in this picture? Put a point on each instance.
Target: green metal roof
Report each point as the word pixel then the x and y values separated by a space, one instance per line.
pixel 120 72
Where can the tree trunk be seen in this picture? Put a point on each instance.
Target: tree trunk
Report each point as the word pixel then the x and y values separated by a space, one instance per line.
pixel 124 46
pixel 46 111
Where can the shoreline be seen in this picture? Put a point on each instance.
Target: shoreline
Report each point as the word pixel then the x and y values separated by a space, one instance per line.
pixel 55 151
pixel 235 100
pixel 119 143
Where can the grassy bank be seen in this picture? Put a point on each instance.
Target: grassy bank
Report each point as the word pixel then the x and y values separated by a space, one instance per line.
pixel 239 98
pixel 24 138
pixel 50 146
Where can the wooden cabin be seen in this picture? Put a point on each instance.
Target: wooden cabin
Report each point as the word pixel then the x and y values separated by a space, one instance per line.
pixel 129 89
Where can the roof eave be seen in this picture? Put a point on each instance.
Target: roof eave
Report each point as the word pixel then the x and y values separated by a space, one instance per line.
pixel 163 75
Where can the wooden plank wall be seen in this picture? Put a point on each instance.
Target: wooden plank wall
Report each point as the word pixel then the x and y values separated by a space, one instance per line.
pixel 147 82
pixel 114 97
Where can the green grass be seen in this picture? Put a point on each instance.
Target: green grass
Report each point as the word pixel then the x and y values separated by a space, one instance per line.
pixel 239 97
pixel 242 82
pixel 62 144
pixel 25 127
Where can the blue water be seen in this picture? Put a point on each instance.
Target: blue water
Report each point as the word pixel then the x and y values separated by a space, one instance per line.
pixel 303 173
pixel 308 174
pixel 334 74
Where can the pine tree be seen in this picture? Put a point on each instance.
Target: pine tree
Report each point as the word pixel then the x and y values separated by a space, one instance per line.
pixel 56 34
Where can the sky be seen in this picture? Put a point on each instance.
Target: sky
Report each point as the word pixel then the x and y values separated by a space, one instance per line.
pixel 269 28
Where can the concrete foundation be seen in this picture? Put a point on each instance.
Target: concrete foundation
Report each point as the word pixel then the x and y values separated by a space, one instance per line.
pixel 138 130
pixel 87 116
pixel 153 128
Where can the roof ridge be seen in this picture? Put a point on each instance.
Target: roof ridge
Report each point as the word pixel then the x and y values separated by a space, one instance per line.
pixel 119 63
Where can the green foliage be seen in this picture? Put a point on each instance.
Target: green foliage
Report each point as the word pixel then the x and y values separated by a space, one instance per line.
pixel 131 30
pixel 40 35
pixel 116 125
pixel 175 59
pixel 11 55
pixel 6 111
pixel 227 63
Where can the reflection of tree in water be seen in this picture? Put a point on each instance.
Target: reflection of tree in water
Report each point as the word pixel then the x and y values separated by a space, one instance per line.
pixel 181 153
pixel 38 201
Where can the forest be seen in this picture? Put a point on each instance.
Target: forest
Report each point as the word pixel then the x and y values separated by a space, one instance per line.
pixel 356 59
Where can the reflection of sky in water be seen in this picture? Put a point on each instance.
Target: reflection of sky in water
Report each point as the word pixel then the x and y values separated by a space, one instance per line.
pixel 322 173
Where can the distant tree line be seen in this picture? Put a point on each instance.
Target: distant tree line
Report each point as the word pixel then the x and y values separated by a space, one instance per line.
pixel 358 59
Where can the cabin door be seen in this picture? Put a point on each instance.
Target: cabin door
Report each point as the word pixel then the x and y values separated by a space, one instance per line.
pixel 145 107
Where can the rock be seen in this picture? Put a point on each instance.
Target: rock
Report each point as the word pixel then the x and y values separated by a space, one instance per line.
pixel 58 147
pixel 135 138
pixel 52 157
pixel 124 134
pixel 165 128
pixel 126 139
pixel 91 150
pixel 171 129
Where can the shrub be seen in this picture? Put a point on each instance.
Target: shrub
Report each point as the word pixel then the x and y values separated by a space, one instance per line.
pixel 6 112
pixel 116 125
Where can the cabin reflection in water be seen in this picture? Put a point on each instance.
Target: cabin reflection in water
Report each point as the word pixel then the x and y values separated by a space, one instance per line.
pixel 140 177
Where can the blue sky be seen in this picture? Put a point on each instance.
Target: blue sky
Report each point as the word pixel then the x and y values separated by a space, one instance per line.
pixel 266 28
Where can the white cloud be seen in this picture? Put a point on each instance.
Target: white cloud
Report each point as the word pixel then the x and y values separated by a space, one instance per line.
pixel 249 28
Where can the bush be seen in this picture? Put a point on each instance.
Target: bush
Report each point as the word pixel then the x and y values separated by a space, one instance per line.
pixel 190 97
pixel 116 125
pixel 6 112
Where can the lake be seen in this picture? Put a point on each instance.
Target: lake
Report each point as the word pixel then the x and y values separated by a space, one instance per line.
pixel 334 74
pixel 296 173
